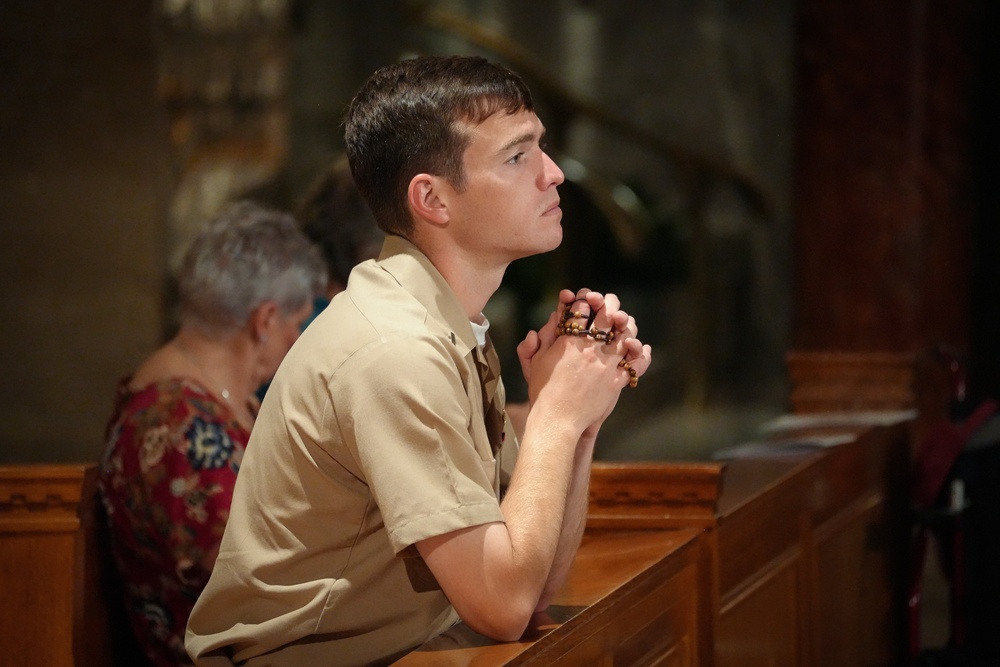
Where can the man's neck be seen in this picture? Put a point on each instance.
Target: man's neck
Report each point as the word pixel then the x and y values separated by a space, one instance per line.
pixel 473 280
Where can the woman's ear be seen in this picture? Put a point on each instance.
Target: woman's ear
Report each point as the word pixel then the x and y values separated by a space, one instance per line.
pixel 262 321
pixel 428 199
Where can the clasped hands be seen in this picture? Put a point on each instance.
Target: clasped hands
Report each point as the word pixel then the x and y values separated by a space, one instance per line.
pixel 585 354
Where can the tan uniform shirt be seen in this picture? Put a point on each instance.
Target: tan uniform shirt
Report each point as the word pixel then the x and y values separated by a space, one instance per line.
pixel 370 439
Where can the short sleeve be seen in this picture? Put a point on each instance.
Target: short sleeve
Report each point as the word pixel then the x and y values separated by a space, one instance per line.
pixel 411 430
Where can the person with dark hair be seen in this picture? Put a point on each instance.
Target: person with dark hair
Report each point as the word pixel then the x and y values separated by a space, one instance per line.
pixel 337 219
pixel 389 497
pixel 182 419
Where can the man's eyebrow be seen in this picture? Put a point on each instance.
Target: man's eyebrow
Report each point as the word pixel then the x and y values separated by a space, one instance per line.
pixel 521 139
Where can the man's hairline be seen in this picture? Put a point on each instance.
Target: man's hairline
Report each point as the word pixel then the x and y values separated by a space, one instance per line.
pixel 465 123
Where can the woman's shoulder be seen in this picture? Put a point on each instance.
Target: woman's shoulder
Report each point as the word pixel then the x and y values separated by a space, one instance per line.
pixel 163 364
pixel 174 414
pixel 166 399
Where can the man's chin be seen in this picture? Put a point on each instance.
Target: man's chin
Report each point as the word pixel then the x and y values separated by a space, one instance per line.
pixel 555 241
pixel 543 246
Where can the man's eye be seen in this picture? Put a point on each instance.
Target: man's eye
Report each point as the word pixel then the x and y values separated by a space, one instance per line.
pixel 516 159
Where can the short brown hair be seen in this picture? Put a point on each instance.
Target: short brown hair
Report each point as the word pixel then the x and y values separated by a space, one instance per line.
pixel 408 119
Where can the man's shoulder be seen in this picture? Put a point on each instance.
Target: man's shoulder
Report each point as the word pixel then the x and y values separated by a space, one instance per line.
pixel 402 351
pixel 404 287
pixel 376 337
pixel 379 325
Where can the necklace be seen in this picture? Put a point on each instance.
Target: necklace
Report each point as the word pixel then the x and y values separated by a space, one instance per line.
pixel 245 413
pixel 223 391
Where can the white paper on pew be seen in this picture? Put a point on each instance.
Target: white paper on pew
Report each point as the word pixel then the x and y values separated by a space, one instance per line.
pixel 782 448
pixel 832 419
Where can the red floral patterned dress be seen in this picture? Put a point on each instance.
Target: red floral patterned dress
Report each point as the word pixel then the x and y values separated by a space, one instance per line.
pixel 173 451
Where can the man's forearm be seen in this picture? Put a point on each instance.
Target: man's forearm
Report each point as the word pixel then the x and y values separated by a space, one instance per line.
pixel 574 521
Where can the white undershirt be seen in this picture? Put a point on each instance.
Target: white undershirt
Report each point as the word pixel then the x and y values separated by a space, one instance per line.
pixel 480 331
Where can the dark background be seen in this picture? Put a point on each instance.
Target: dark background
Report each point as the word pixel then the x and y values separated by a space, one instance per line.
pixel 750 177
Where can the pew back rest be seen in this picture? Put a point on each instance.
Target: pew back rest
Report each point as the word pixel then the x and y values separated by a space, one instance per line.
pixel 61 595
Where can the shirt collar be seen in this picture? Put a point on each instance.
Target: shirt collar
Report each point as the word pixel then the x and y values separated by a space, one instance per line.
pixel 411 268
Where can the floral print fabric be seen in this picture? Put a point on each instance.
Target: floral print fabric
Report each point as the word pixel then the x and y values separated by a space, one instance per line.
pixel 167 478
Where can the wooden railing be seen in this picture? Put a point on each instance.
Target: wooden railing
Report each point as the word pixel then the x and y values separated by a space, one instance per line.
pixel 785 558
pixel 778 559
pixel 60 596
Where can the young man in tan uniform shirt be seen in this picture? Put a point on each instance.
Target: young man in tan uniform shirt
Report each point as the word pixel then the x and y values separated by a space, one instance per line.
pixel 373 508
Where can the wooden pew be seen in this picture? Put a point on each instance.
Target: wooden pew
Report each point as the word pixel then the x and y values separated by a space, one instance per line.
pixel 637 592
pixel 806 550
pixel 812 556
pixel 781 559
pixel 61 603
pixel 772 560
pixel 631 599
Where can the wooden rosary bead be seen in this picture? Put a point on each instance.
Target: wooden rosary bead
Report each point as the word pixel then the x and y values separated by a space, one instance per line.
pixel 633 378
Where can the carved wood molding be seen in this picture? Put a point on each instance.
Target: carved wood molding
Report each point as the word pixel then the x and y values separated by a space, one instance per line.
pixel 43 497
pixel 654 495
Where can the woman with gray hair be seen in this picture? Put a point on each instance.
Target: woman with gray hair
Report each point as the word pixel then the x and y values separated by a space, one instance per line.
pixel 182 419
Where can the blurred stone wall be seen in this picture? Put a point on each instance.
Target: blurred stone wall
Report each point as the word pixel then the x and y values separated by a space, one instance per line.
pixel 85 176
pixel 125 125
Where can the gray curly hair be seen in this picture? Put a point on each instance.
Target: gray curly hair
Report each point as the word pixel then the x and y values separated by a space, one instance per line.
pixel 248 255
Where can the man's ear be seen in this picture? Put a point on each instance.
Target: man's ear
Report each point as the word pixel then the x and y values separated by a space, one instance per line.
pixel 262 320
pixel 428 199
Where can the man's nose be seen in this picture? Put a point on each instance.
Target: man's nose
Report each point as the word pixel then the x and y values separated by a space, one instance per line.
pixel 553 174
